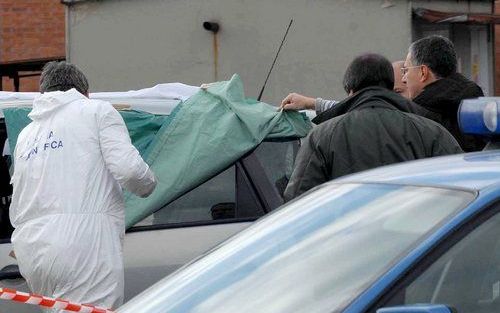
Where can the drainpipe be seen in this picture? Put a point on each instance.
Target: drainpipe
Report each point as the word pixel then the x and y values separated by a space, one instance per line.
pixel 214 28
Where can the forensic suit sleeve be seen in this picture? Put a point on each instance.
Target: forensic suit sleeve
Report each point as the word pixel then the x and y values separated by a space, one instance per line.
pixel 310 169
pixel 121 157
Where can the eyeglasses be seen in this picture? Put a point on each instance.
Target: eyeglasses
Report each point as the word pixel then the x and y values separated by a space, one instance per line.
pixel 404 70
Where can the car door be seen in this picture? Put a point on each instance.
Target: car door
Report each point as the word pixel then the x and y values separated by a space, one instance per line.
pixel 194 223
pixel 11 278
pixel 462 273
pixel 207 215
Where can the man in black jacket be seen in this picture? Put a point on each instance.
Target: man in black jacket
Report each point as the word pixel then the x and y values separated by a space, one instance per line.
pixel 374 126
pixel 430 72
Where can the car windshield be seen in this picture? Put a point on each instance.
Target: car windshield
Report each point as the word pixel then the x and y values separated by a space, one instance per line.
pixel 315 254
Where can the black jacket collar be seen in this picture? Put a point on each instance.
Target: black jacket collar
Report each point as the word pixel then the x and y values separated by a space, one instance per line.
pixel 445 94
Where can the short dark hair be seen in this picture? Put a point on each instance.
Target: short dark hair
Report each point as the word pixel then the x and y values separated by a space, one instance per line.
pixel 437 52
pixel 62 76
pixel 369 69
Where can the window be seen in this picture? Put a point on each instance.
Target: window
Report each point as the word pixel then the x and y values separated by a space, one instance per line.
pixel 466 277
pixel 241 191
pixel 225 196
pixel 277 160
pixel 5 226
pixel 5 187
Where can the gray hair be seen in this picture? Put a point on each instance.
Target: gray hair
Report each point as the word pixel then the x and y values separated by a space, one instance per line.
pixel 62 76
pixel 437 52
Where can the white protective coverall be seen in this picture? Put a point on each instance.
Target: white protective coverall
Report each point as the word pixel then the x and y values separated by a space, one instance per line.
pixel 67 204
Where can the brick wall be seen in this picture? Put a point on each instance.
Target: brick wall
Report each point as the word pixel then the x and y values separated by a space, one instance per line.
pixel 31 29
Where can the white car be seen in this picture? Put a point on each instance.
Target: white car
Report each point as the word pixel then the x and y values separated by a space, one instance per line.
pixel 184 228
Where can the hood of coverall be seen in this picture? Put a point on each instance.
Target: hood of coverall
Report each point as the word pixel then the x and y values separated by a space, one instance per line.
pixel 49 102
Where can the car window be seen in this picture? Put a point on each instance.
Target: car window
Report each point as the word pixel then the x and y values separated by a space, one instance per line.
pixel 277 158
pixel 6 228
pixel 5 187
pixel 225 196
pixel 231 194
pixel 466 277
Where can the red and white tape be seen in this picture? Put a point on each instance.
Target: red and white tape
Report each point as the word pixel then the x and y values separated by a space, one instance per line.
pixel 46 302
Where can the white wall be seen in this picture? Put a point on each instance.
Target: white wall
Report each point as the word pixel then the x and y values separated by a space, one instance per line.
pixel 129 44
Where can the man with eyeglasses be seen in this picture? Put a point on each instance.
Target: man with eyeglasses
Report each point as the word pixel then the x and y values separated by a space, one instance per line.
pixel 430 73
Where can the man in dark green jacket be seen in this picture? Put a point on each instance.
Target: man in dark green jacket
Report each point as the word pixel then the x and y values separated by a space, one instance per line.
pixel 372 127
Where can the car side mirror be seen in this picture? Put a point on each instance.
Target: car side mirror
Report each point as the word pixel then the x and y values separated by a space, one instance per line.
pixel 418 308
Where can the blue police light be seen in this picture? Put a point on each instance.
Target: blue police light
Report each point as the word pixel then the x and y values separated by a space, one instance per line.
pixel 479 117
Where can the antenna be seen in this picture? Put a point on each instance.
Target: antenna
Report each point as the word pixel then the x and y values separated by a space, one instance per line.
pixel 275 58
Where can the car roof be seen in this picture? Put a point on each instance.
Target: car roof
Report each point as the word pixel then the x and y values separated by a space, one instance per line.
pixel 476 171
pixel 160 99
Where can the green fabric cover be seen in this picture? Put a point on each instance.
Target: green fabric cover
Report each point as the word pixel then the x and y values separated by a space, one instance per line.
pixel 202 136
pixel 142 126
pixel 15 120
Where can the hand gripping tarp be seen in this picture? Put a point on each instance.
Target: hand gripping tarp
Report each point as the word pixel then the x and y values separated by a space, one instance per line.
pixel 202 137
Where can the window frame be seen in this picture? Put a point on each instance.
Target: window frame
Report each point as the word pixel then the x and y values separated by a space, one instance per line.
pixel 266 192
pixel 134 229
pixel 255 170
pixel 432 255
pixel 253 174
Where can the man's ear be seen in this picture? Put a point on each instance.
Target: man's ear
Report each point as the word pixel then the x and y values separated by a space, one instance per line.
pixel 425 73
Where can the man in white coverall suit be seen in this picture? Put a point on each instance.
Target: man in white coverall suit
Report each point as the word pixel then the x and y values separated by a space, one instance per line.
pixel 71 163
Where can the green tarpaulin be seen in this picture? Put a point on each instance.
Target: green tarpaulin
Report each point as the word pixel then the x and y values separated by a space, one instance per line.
pixel 142 126
pixel 200 138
